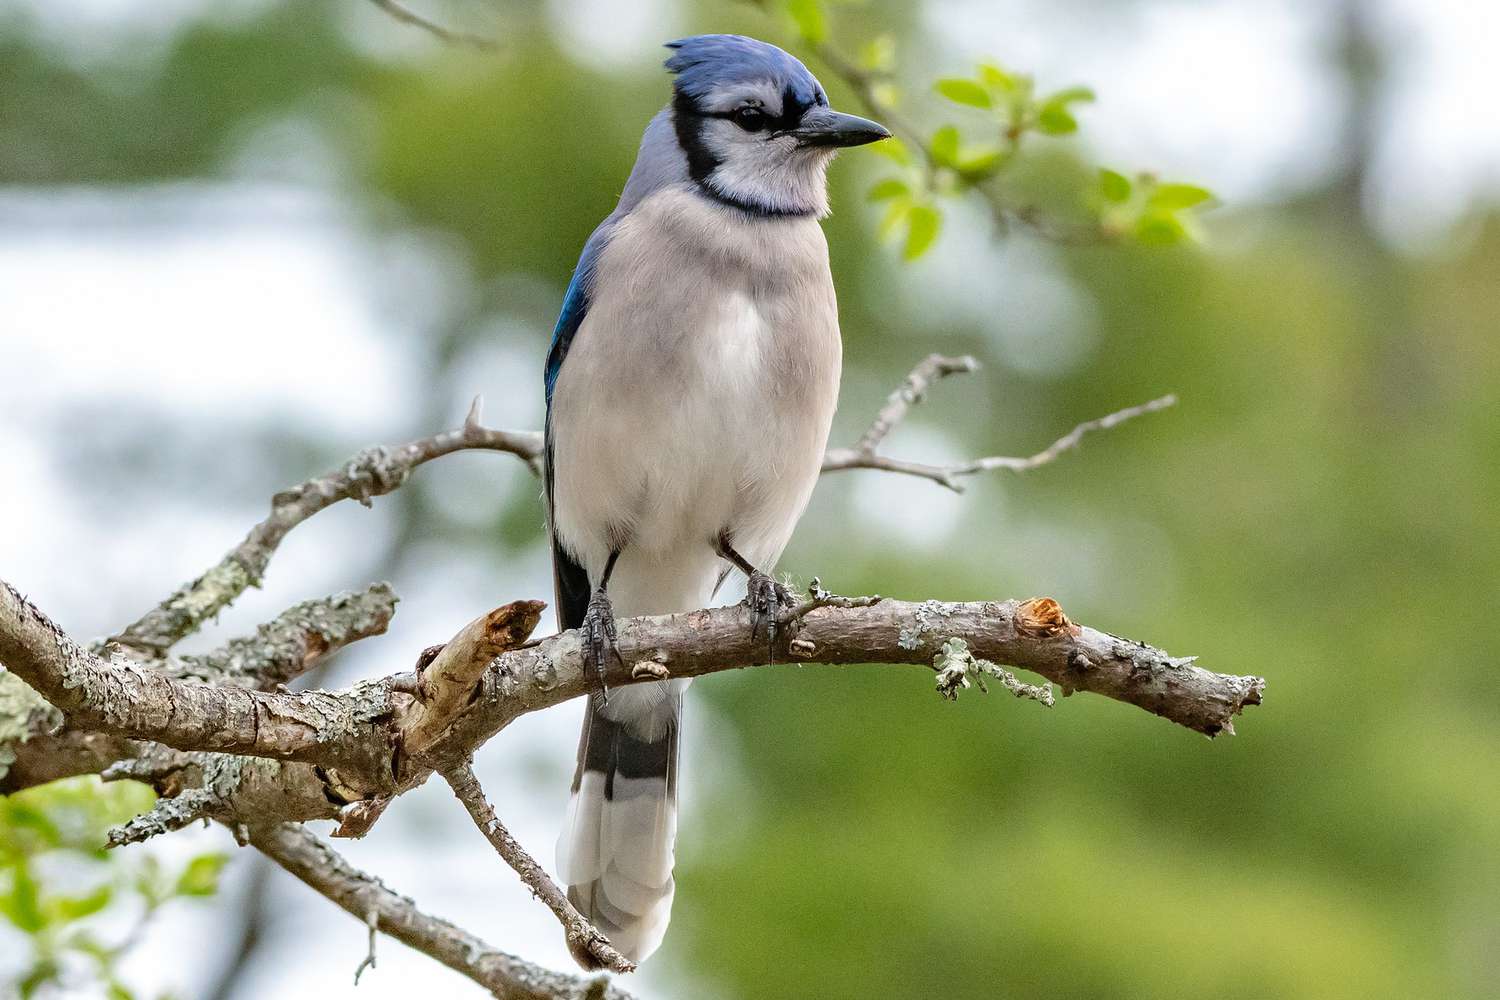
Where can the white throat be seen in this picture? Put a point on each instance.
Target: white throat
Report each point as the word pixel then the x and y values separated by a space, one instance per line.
pixel 773 178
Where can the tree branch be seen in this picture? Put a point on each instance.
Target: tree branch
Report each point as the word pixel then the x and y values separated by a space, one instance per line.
pixel 371 473
pixel 36 746
pixel 297 640
pixel 590 948
pixel 355 732
pixel 35 749
pixel 503 974
pixel 123 697
pixel 406 15
pixel 912 390
pixel 348 754
pixel 444 685
pixel 167 815
pixel 380 470
pixel 865 453
pixel 1033 634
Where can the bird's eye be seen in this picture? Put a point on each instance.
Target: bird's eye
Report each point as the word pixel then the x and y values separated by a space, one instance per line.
pixel 750 119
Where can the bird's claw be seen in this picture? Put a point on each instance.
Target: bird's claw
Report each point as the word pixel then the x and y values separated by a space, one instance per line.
pixel 766 598
pixel 599 635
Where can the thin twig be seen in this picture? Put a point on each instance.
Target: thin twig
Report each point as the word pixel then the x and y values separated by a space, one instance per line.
pixel 866 86
pixel 377 471
pixel 955 665
pixel 299 639
pixel 372 922
pixel 911 391
pixel 820 598
pixel 1068 441
pixel 588 945
pixel 371 473
pixel 948 475
pixel 406 15
pixel 504 975
pixel 167 815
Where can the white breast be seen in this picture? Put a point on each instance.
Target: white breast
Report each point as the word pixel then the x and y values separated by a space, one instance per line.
pixel 696 397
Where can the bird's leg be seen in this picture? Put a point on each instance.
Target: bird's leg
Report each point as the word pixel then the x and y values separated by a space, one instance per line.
pixel 763 595
pixel 598 625
pixel 766 599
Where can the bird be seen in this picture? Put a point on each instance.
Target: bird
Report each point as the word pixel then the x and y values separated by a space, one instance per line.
pixel 690 387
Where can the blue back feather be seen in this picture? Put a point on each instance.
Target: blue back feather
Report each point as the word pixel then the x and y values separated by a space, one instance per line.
pixel 570 580
pixel 575 306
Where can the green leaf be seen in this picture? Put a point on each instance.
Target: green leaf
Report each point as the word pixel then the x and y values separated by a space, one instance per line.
pixel 1175 197
pixel 69 908
pixel 944 146
pixel 201 876
pixel 1070 95
pixel 1054 115
pixel 43 972
pixel 86 943
pixel 22 905
pixel 878 55
pixel 962 91
pixel 811 22
pixel 24 816
pixel 891 187
pixel 119 991
pixel 1113 185
pixel 996 78
pixel 1056 120
pixel 923 223
pixel 1160 229
pixel 892 149
pixel 894 216
pixel 980 162
pixel 885 94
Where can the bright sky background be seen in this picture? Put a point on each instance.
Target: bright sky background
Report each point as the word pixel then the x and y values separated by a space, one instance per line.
pixel 105 296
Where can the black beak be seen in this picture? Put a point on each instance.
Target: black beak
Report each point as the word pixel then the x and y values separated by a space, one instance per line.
pixel 826 127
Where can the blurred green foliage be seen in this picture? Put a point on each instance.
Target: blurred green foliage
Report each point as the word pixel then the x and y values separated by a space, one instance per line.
pixel 949 165
pixel 58 884
pixel 1319 509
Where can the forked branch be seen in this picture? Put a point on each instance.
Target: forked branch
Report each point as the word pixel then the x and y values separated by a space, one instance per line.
pixel 866 451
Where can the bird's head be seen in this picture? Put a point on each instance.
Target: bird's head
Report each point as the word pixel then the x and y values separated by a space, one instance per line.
pixel 755 125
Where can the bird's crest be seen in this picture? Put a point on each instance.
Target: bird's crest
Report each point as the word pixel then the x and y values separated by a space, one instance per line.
pixel 706 62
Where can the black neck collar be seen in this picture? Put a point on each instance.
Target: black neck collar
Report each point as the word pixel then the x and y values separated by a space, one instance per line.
pixel 755 208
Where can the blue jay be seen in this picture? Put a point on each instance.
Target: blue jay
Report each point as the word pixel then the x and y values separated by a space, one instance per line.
pixel 690 386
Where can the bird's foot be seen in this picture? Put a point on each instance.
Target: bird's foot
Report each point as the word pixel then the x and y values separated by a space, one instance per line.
pixel 599 634
pixel 766 598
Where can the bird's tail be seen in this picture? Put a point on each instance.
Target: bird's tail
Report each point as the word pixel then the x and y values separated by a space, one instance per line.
pixel 615 852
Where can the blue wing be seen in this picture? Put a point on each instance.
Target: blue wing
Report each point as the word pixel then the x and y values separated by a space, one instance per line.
pixel 570 580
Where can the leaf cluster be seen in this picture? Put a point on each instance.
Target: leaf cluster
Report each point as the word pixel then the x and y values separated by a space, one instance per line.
pixel 999 113
pixel 60 887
